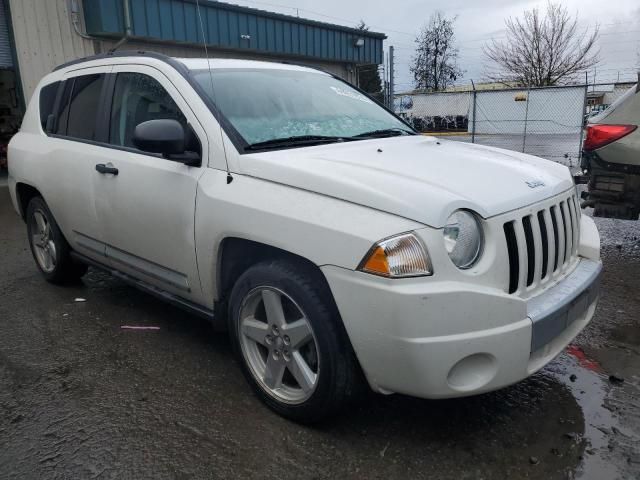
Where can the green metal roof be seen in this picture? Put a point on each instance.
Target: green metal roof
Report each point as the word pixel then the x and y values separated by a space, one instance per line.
pixel 232 27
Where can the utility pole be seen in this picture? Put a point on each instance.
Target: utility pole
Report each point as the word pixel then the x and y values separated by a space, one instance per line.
pixel 385 80
pixel 583 119
pixel 391 82
pixel 473 114
pixel 526 119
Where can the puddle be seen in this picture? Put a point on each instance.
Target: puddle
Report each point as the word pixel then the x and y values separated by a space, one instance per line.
pixel 604 457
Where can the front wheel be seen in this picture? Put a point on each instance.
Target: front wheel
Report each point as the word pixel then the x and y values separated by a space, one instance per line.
pixel 49 248
pixel 286 332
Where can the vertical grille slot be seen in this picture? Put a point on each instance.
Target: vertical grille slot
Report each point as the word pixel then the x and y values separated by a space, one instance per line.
pixel 554 223
pixel 576 224
pixel 531 252
pixel 567 233
pixel 512 250
pixel 545 243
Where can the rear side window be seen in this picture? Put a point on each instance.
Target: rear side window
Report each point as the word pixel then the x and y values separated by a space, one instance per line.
pixel 81 111
pixel 138 98
pixel 62 115
pixel 47 100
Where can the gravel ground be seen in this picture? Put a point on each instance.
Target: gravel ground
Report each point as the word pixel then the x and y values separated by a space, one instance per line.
pixel 81 398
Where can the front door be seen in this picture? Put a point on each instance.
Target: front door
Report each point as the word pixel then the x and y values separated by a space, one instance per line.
pixel 147 208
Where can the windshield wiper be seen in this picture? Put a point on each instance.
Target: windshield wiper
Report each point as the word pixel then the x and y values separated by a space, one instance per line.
pixel 295 141
pixel 387 132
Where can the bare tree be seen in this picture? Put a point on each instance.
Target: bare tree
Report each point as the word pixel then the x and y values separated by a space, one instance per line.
pixel 435 63
pixel 542 49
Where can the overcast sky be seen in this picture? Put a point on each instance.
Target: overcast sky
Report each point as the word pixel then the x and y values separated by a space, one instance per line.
pixel 478 21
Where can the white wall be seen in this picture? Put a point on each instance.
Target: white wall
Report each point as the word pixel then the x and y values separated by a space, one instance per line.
pixel 435 104
pixel 548 111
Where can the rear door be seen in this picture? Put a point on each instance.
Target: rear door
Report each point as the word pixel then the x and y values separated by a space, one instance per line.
pixel 147 209
pixel 74 150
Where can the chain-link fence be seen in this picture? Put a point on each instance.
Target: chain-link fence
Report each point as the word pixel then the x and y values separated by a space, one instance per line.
pixel 546 122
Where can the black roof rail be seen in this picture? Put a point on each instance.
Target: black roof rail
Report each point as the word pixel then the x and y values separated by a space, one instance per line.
pixel 116 54
pixel 171 60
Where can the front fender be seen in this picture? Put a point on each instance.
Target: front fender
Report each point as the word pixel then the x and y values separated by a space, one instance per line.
pixel 322 229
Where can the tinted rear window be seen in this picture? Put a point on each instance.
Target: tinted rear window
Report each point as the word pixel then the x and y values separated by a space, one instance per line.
pixel 62 115
pixel 83 106
pixel 47 99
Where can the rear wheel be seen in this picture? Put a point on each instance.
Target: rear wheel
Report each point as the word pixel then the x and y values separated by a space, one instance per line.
pixel 292 348
pixel 49 248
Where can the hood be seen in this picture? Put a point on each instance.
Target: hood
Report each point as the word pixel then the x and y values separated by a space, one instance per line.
pixel 417 177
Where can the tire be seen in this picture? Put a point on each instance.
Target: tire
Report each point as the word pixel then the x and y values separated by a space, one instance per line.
pixel 49 248
pixel 332 378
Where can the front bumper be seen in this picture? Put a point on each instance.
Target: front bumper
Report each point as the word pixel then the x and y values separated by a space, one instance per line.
pixel 446 339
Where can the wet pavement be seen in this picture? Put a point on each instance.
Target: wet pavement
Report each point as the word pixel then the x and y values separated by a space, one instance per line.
pixel 82 398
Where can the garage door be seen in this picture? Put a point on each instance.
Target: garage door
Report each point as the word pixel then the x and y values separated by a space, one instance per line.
pixel 6 60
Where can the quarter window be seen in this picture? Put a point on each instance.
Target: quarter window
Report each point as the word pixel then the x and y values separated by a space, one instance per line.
pixel 138 98
pixel 84 106
pixel 47 100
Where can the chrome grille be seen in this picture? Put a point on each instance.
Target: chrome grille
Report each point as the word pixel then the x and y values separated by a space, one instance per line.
pixel 542 243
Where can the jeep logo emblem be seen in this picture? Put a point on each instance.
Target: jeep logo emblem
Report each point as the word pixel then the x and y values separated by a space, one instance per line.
pixel 535 183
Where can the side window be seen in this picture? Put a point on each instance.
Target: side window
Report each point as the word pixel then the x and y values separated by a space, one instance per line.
pixel 47 100
pixel 83 106
pixel 136 99
pixel 62 115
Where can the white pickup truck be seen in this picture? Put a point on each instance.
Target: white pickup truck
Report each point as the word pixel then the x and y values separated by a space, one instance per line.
pixel 338 246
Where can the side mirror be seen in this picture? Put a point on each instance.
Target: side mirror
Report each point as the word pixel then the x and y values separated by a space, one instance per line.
pixel 165 136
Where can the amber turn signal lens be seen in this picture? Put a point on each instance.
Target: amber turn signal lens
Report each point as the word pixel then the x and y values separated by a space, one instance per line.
pixel 377 262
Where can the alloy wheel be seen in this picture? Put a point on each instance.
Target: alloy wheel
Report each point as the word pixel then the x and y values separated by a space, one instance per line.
pixel 42 239
pixel 278 345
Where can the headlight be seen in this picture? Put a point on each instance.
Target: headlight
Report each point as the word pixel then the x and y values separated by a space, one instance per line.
pixel 397 257
pixel 463 239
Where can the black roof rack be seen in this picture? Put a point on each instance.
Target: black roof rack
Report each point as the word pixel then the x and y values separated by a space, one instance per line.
pixel 116 54
pixel 165 58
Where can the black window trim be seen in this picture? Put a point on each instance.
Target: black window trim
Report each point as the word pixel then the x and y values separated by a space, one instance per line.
pixel 59 84
pixel 106 102
pixel 56 105
pixel 72 83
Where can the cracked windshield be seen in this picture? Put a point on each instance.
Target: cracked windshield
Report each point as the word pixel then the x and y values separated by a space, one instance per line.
pixel 278 104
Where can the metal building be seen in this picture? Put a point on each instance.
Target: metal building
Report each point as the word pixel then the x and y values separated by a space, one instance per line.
pixel 47 33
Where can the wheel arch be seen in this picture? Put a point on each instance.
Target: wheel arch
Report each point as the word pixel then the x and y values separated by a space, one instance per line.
pixel 24 194
pixel 236 255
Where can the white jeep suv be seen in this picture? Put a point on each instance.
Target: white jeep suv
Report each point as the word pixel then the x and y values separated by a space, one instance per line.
pixel 336 244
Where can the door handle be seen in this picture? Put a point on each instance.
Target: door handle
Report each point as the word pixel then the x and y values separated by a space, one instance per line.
pixel 102 168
